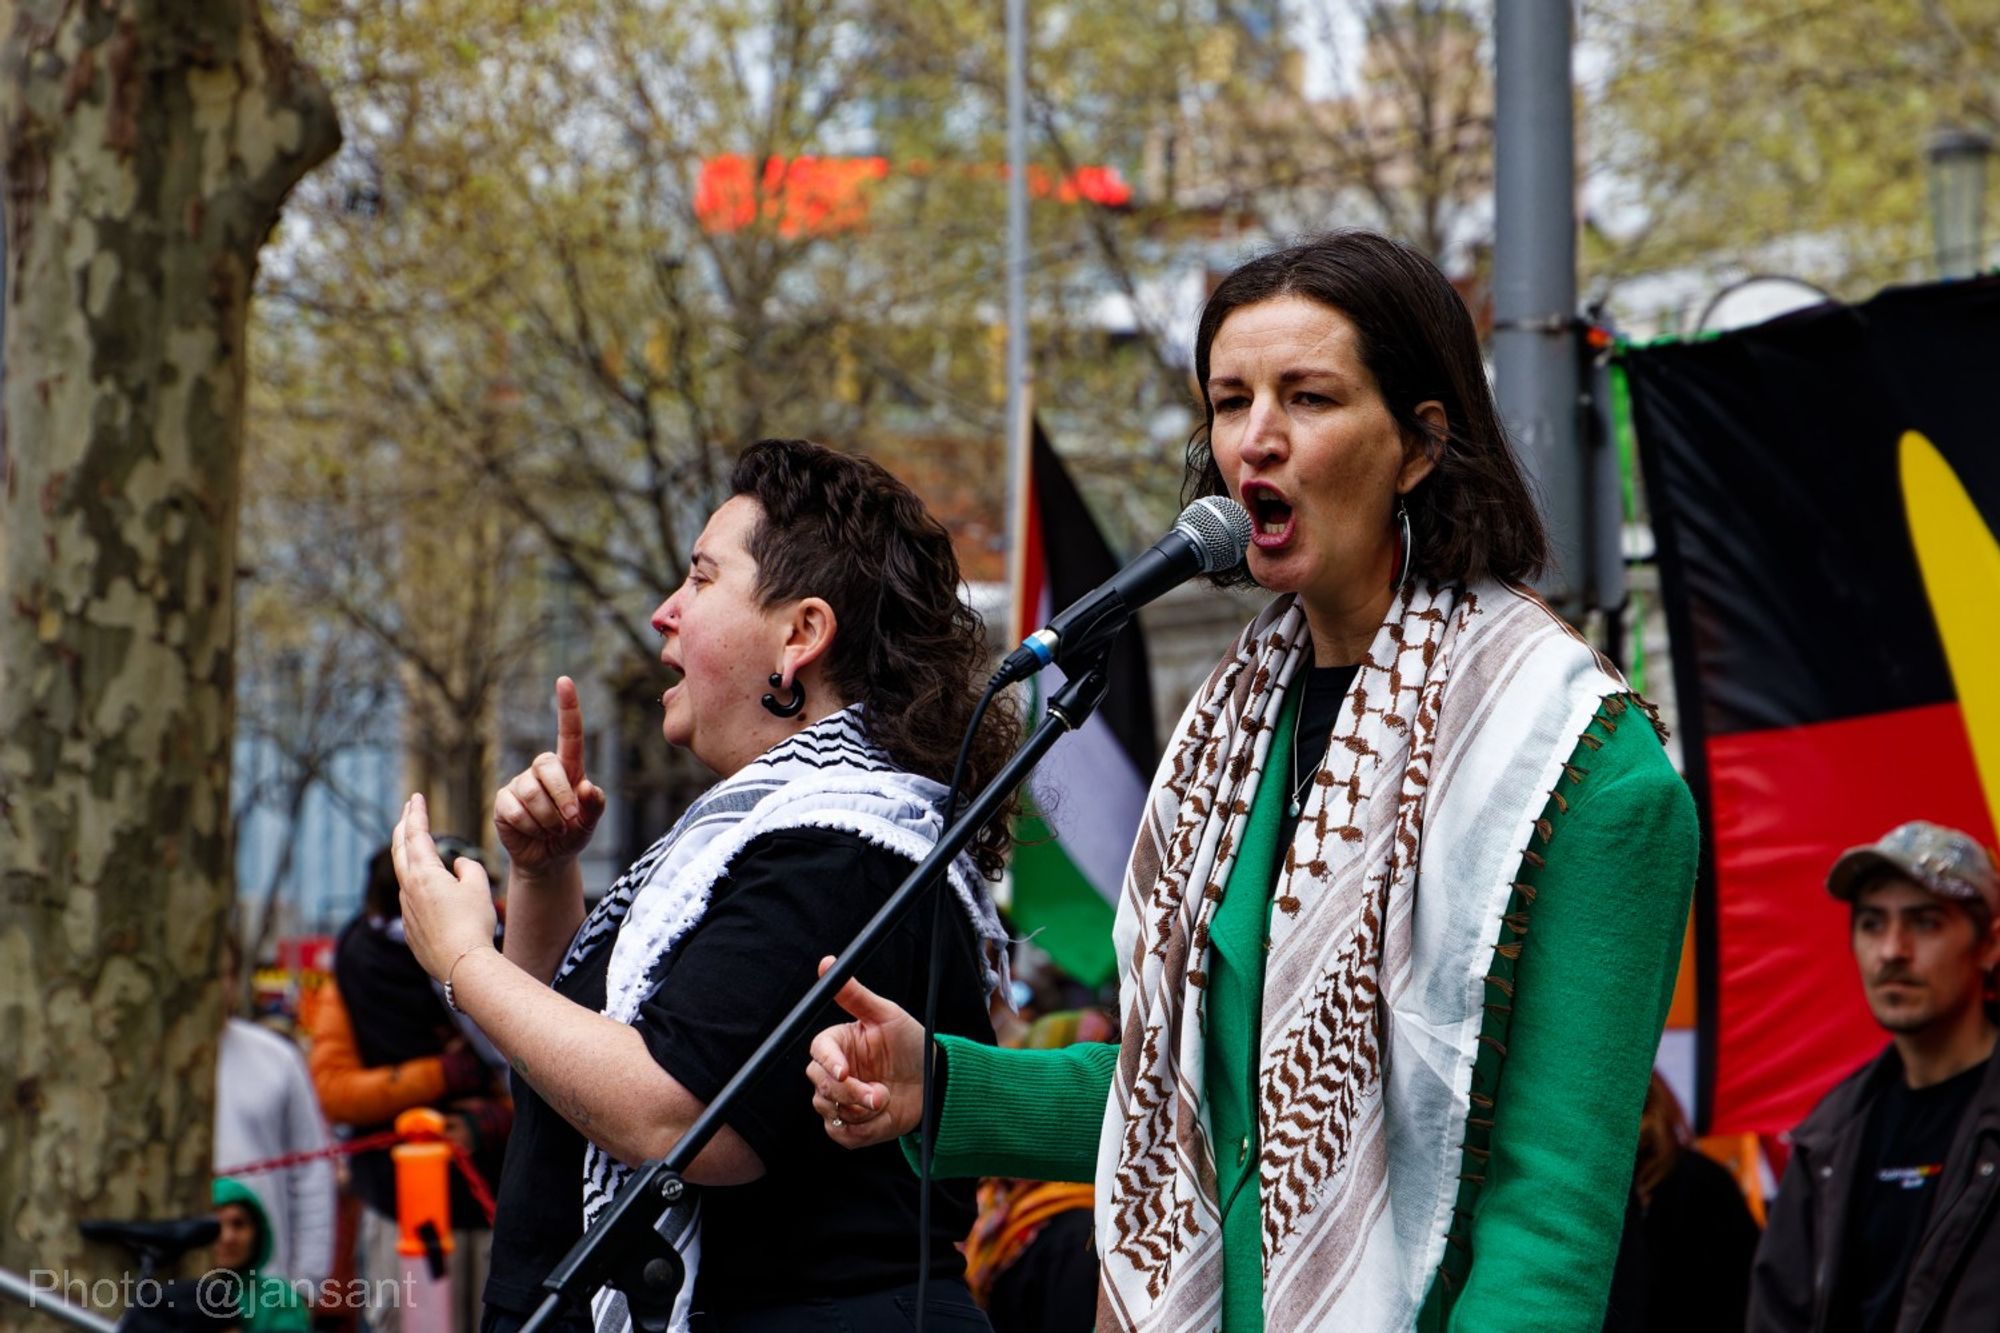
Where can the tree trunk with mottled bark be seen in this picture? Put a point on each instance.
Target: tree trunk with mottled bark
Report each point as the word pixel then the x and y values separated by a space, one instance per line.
pixel 148 147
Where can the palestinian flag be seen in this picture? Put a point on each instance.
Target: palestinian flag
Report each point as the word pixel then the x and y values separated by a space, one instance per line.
pixel 1825 489
pixel 1082 803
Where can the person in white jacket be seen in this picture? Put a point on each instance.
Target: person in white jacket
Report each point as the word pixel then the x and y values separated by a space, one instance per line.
pixel 265 1107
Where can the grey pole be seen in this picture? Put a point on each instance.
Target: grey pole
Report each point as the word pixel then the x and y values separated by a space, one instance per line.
pixel 1017 267
pixel 1958 199
pixel 1605 490
pixel 1534 275
pixel 49 1303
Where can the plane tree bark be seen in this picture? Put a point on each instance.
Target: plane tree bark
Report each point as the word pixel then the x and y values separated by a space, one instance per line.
pixel 148 147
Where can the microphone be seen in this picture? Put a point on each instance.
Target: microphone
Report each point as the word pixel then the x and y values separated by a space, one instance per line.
pixel 1210 535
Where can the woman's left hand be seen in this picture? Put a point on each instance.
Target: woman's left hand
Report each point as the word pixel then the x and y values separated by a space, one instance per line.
pixel 445 914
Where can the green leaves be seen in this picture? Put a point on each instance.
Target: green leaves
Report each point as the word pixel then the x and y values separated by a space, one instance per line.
pixel 1734 132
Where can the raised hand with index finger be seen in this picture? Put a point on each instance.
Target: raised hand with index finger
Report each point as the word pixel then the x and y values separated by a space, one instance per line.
pixel 547 812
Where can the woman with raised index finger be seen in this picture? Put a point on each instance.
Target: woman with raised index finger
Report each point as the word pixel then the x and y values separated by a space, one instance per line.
pixel 827 671
pixel 1398 933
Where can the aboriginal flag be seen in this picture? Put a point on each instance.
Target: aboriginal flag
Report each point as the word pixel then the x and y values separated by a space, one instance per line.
pixel 1825 489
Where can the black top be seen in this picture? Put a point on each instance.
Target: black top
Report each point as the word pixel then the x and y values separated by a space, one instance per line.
pixel 1684 1260
pixel 392 1003
pixel 1325 688
pixel 1909 1134
pixel 822 1220
pixel 1698 1227
pixel 396 1014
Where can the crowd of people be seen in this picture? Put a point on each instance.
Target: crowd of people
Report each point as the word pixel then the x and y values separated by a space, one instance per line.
pixel 1380 1052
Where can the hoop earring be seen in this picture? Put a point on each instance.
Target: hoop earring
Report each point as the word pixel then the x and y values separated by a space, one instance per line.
pixel 1403 520
pixel 790 707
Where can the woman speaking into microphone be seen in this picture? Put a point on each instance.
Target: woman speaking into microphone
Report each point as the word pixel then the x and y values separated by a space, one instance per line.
pixel 1399 930
pixel 827 672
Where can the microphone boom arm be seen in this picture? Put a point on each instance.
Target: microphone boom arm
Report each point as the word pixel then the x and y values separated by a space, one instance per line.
pixel 625 1241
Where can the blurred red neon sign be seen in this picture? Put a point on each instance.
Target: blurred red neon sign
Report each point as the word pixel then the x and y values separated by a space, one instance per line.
pixel 821 196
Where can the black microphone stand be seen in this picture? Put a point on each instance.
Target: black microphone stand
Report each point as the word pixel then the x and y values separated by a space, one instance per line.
pixel 625 1248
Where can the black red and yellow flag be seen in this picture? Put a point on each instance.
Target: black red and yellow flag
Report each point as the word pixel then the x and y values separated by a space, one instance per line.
pixel 1825 490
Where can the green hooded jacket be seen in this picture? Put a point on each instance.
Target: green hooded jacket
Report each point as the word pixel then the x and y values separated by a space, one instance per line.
pixel 270 1304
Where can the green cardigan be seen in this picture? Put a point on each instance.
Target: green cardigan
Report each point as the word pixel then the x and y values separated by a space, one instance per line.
pixel 1570 1036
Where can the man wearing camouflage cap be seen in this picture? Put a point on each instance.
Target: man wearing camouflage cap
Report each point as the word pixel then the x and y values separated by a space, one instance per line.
pixel 1888 1218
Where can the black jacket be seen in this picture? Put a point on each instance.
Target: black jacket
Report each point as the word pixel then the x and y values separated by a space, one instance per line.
pixel 1954 1280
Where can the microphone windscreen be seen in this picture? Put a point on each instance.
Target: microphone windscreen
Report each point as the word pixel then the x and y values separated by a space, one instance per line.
pixel 1219 529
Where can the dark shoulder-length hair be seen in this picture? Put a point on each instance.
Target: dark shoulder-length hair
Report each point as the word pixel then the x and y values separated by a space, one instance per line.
pixel 1473 517
pixel 907 648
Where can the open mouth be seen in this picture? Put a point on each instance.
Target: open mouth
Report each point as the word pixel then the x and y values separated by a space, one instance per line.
pixel 1270 514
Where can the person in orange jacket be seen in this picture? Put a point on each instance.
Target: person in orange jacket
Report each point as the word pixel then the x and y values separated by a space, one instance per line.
pixel 382 1043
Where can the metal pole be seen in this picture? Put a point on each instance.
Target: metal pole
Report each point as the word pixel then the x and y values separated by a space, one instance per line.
pixel 1958 199
pixel 1018 371
pixel 49 1303
pixel 1534 276
pixel 1606 489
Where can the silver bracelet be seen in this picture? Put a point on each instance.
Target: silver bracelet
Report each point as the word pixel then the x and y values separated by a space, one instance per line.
pixel 451 1001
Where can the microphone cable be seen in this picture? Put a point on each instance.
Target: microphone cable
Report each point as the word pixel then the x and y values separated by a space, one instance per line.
pixel 926 1138
pixel 1210 535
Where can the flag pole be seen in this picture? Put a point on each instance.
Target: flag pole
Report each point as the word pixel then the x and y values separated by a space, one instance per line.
pixel 1019 372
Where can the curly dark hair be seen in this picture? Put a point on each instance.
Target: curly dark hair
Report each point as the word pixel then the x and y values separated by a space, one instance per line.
pixel 1474 516
pixel 907 649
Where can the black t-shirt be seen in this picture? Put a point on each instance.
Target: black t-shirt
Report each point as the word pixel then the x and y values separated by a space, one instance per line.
pixel 823 1219
pixel 1909 1134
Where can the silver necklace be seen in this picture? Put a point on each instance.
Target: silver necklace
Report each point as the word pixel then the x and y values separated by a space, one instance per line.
pixel 1296 806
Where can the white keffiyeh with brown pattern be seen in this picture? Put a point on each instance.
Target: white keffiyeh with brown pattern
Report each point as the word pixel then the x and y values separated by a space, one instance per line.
pixel 1388 904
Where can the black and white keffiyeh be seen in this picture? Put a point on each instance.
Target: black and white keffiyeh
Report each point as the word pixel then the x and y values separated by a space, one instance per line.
pixel 829 776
